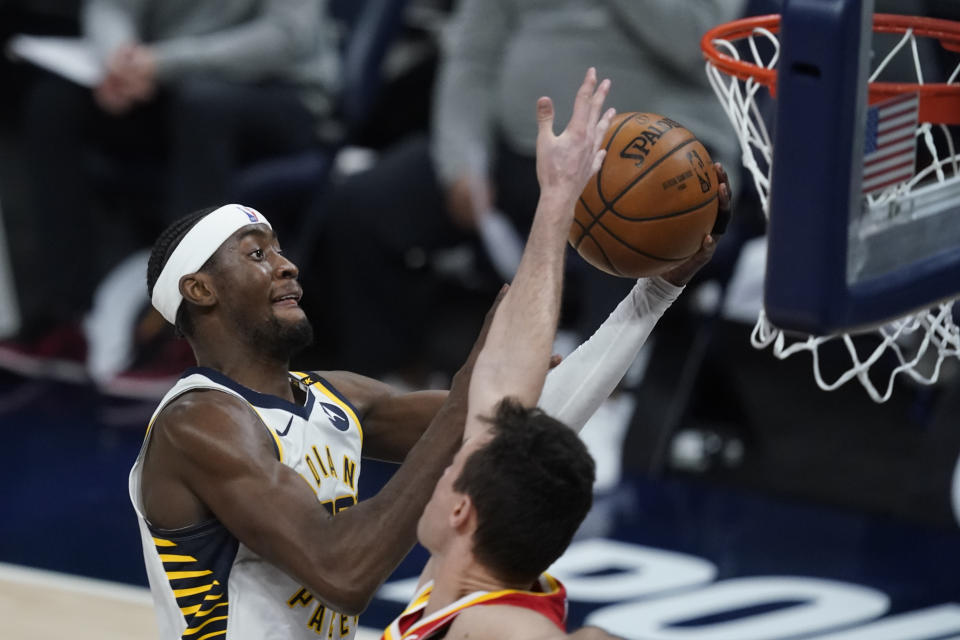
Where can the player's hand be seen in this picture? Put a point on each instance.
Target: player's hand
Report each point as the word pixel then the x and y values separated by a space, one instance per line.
pixel 110 96
pixel 130 78
pixel 566 162
pixel 683 273
pixel 724 211
pixel 136 66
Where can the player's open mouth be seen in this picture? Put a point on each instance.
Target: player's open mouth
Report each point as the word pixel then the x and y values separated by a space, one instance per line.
pixel 287 300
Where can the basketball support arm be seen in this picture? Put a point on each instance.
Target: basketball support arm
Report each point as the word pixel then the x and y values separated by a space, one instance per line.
pixel 575 389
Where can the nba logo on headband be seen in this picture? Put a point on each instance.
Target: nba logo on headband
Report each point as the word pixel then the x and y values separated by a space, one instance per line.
pixel 254 219
pixel 199 243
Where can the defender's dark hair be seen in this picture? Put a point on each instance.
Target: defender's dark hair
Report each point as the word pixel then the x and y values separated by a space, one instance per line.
pixel 162 249
pixel 532 486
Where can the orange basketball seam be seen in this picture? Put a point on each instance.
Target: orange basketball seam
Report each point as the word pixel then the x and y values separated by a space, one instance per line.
pixel 606 205
pixel 604 255
pixel 672 214
pixel 613 135
pixel 603 199
pixel 609 207
pixel 584 232
pixel 640 251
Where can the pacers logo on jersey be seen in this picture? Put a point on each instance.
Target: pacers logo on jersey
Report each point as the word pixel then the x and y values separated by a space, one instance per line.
pixel 336 415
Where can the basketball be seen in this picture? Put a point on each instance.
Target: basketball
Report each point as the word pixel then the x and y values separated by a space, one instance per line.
pixel 652 202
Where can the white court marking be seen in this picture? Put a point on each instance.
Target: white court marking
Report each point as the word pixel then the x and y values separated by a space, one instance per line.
pixel 45 605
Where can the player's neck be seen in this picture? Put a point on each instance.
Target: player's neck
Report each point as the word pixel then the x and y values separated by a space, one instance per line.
pixel 254 370
pixel 458 575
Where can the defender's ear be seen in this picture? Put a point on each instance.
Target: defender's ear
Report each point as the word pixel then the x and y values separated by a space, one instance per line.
pixel 197 289
pixel 463 516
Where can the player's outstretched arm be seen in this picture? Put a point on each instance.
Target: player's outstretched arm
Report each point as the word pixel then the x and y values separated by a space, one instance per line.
pixel 574 390
pixel 216 454
pixel 515 358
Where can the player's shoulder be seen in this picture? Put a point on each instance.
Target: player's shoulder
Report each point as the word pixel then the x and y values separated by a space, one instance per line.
pixel 203 402
pixel 497 621
pixel 204 412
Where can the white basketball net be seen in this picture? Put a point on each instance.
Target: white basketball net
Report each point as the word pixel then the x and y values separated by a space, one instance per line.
pixel 921 341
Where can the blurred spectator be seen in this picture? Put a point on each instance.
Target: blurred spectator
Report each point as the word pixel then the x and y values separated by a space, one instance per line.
pixel 387 224
pixel 191 89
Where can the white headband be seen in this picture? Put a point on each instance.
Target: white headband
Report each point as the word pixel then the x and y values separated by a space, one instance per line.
pixel 201 242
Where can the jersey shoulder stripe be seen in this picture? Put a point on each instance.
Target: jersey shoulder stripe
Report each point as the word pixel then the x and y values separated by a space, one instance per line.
pixel 321 385
pixel 550 600
pixel 222 384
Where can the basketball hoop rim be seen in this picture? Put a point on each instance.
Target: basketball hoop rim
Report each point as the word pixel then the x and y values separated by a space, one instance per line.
pixel 942 100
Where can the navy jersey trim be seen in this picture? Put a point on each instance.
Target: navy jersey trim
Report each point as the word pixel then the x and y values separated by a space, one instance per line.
pixel 257 399
pixel 332 389
pixel 190 531
pixel 197 561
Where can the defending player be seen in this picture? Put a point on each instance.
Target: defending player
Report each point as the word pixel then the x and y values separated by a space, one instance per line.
pixel 247 471
pixel 521 484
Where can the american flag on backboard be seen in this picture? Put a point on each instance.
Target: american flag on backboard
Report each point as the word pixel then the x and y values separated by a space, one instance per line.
pixel 890 142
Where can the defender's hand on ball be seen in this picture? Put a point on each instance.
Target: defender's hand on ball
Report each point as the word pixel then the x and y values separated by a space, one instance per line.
pixel 682 274
pixel 567 161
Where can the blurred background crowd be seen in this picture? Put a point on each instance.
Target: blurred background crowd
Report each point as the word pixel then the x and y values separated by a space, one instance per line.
pixel 391 144
pixel 253 101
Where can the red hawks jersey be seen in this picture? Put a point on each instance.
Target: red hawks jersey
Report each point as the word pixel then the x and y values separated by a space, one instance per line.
pixel 550 600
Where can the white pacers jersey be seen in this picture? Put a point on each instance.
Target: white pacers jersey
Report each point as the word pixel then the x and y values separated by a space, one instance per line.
pixel 205 583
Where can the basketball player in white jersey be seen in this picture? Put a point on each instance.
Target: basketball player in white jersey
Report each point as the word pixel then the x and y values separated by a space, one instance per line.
pixel 247 477
pixel 521 484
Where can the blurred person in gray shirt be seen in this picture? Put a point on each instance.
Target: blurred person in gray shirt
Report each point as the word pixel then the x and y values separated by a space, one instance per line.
pixel 501 55
pixel 191 90
pixel 430 193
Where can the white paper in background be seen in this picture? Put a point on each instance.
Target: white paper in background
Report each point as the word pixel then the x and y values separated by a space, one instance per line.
pixel 502 243
pixel 110 326
pixel 500 240
pixel 744 297
pixel 72 58
pixel 9 310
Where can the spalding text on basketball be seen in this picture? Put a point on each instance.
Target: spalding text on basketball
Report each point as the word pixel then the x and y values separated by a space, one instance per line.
pixel 639 148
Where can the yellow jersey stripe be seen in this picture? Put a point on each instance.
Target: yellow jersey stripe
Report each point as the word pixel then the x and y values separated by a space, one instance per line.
pixel 179 575
pixel 213 597
pixel 160 542
pixel 554 585
pixel 150 426
pixel 423 597
pixel 193 630
pixel 332 396
pixel 273 433
pixel 309 484
pixel 192 591
pixel 189 611
pixel 206 612
pixel 211 635
pixel 169 557
pixel 472 601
